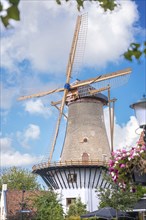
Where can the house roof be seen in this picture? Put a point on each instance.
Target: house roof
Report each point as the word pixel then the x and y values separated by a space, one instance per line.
pixel 140 205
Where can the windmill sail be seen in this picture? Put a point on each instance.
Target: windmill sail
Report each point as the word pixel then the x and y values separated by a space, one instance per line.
pixel 83 88
pixel 68 76
pixel 81 43
pixel 111 80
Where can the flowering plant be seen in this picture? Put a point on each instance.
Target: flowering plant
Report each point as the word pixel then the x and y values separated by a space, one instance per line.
pixel 123 163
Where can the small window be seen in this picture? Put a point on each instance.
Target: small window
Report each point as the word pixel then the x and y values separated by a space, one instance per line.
pixel 85 139
pixel 85 157
pixel 72 177
pixel 70 201
pixel 104 157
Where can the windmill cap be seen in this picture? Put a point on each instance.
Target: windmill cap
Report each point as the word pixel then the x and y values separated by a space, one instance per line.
pixel 102 97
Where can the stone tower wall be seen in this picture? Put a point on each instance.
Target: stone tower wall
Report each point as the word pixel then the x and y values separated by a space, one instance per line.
pixel 86 137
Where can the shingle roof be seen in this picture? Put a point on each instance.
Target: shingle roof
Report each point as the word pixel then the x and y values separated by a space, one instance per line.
pixel 140 205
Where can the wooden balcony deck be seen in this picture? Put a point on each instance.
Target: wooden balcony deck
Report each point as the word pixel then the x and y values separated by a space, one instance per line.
pixel 70 163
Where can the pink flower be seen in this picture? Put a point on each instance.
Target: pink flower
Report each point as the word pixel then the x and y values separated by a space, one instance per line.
pixel 125 159
pixel 122 165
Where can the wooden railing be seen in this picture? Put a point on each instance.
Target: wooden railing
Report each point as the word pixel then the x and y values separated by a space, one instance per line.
pixel 69 163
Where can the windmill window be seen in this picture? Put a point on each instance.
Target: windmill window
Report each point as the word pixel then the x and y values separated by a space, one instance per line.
pixel 72 177
pixel 85 139
pixel 70 201
pixel 104 157
pixel 85 157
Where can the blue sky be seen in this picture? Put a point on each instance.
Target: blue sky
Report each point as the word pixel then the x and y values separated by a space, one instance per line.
pixel 34 56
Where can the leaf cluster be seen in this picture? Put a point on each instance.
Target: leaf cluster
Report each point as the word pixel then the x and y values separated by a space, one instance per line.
pixel 105 4
pixel 118 198
pixel 108 4
pixel 18 178
pixel 48 206
pixel 12 12
pixel 76 209
pixel 135 50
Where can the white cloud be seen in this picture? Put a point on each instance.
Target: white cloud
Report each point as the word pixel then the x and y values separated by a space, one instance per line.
pixel 43 39
pixel 125 135
pixel 18 159
pixel 31 133
pixel 5 144
pixel 110 34
pixel 8 94
pixel 37 107
pixel 44 36
pixel 10 157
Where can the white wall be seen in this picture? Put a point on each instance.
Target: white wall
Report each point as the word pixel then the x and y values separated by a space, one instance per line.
pixel 3 211
pixel 88 196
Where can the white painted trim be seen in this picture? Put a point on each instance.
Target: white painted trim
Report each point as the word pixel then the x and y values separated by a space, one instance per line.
pixel 139 210
pixel 3 208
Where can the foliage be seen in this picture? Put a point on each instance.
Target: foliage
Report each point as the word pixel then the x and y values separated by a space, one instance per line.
pixel 123 163
pixel 135 50
pixel 118 198
pixel 17 178
pixel 48 206
pixel 105 4
pixel 76 209
pixel 12 12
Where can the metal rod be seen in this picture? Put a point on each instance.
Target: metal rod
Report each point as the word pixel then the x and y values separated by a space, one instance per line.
pixel 110 119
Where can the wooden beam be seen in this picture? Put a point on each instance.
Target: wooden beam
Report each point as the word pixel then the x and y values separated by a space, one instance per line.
pixel 59 110
pixel 66 178
pixel 80 177
pixel 55 103
pixel 102 78
pixel 94 91
pixel 89 177
pixel 62 178
pixel 94 177
pixel 98 177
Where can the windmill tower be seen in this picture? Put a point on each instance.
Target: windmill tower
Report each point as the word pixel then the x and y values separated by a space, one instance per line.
pixel 86 149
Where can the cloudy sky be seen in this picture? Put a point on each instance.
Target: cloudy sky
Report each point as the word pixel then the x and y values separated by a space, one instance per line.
pixel 34 56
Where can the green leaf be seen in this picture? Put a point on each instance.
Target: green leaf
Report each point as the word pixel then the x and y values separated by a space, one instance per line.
pixel 80 4
pixel 5 21
pixel 135 46
pixel 58 2
pixel 1 7
pixel 108 4
pixel 128 55
pixel 14 2
pixel 17 178
pixel 137 54
pixel 13 12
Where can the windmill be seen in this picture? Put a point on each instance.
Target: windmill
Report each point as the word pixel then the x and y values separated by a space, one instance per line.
pixel 86 137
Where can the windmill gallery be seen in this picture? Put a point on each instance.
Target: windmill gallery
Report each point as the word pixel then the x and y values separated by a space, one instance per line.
pixel 86 149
